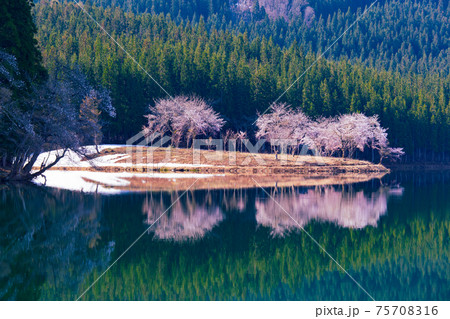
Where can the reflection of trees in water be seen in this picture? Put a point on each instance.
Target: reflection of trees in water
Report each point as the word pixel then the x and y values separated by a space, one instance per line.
pixel 234 199
pixel 192 216
pixel 344 207
pixel 409 250
pixel 50 242
pixel 189 218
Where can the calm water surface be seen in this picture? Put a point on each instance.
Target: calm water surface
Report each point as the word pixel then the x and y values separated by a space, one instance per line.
pixel 392 236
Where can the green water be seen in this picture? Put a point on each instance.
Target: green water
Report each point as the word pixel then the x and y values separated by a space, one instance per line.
pixel 391 236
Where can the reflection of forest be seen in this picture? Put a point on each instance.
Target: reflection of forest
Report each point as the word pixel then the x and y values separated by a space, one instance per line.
pixel 192 217
pixel 406 257
pixel 54 244
pixel 344 207
pixel 49 237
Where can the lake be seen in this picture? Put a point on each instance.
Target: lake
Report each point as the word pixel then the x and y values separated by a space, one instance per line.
pixel 391 235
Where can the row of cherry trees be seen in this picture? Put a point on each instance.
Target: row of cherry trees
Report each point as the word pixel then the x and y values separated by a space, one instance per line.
pixel 286 129
pixel 183 118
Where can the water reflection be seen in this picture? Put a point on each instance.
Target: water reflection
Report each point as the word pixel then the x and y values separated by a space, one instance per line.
pixel 192 217
pixel 184 218
pixel 49 238
pixel 54 244
pixel 341 205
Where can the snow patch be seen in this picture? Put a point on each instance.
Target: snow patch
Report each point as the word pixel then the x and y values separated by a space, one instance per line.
pixel 101 182
pixel 72 159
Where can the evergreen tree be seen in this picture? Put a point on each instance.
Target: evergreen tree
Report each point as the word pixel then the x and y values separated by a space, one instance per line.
pixel 17 31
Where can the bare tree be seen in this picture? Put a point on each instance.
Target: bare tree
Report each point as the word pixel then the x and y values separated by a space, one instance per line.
pixel 240 137
pixel 44 117
pixel 90 126
pixel 226 137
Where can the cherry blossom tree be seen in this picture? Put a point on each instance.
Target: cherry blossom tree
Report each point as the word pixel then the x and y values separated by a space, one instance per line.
pixel 282 126
pixel 189 219
pixel 392 153
pixel 276 124
pixel 352 131
pixel 377 136
pixel 358 131
pixel 321 136
pixel 302 127
pixel 183 118
pixel 328 136
pixel 161 120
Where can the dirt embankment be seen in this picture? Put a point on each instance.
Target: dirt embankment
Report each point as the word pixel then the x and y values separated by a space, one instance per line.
pixel 145 169
pixel 147 159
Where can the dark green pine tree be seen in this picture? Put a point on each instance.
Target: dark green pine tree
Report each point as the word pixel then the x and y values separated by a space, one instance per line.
pixel 17 32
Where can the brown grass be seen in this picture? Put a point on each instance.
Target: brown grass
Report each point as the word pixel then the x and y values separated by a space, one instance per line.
pixel 245 172
pixel 240 163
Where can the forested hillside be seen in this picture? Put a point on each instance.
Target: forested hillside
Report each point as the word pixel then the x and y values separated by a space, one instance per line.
pixel 406 36
pixel 239 75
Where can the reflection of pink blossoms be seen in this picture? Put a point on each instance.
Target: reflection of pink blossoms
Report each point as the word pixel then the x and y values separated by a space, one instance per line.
pixel 185 220
pixel 350 210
